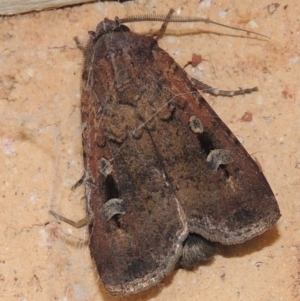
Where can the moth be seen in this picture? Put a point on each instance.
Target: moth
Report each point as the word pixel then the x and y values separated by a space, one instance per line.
pixel 165 177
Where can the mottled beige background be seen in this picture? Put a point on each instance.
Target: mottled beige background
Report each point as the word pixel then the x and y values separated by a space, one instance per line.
pixel 41 156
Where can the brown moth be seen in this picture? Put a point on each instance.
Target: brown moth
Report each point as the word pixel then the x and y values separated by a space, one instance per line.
pixel 165 177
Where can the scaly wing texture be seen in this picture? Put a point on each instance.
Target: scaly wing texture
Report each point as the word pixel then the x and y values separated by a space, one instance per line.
pixel 168 178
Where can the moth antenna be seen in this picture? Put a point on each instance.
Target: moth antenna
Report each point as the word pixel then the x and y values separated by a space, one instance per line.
pixel 180 19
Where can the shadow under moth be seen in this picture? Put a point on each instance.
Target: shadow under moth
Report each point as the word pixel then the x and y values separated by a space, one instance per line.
pixel 165 177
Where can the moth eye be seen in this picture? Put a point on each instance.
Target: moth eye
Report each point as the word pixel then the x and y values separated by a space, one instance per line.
pixel 217 157
pixel 196 125
pixel 113 207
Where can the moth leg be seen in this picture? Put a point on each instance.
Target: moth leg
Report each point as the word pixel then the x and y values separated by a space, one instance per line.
pixel 78 183
pixel 196 249
pixel 79 45
pixel 83 222
pixel 160 33
pixel 208 89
